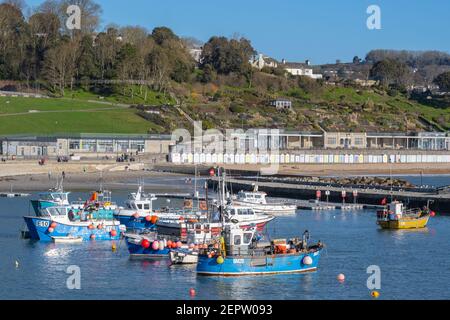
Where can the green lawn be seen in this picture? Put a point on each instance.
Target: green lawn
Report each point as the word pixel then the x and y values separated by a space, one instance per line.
pixel 108 121
pixel 20 105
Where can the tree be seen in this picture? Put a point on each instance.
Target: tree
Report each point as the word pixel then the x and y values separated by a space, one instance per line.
pixel 443 81
pixel 163 34
pixel 390 71
pixel 227 56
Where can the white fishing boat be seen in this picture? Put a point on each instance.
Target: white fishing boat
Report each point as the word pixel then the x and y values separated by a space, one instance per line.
pixel 257 201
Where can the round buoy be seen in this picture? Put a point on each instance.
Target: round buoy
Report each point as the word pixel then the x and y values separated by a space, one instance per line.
pixel 432 213
pixel 192 292
pixel 91 226
pixel 375 294
pixel 153 219
pixel 179 244
pixel 220 260
pixel 92 236
pixel 155 245
pixel 145 243
pixel 209 256
pixel 341 277
pixel 113 233
pixel 51 230
pixel 161 245
pixel 169 243
pixel 148 218
pixel 212 172
pixel 307 261
pixel 113 247
pixel 53 225
pixel 100 227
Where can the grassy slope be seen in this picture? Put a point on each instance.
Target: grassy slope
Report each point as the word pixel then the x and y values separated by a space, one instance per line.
pixel 65 116
pixel 334 109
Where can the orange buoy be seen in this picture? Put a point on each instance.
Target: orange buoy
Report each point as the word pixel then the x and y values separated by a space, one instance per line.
pixel 341 277
pixel 113 233
pixel 92 236
pixel 53 225
pixel 432 213
pixel 100 227
pixel 192 292
pixel 51 230
pixel 169 243
pixel 91 226
pixel 179 244
pixel 154 219
pixel 148 218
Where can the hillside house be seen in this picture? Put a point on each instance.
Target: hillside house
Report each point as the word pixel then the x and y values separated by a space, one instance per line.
pixel 281 104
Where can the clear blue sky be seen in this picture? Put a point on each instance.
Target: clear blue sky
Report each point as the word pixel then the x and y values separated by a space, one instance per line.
pixel 321 30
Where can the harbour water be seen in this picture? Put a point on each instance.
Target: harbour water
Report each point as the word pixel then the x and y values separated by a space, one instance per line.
pixel 414 263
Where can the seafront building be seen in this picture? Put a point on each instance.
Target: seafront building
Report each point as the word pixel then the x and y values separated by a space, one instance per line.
pixel 261 145
pixel 83 145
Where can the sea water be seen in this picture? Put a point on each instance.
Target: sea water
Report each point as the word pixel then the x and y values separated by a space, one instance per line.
pixel 414 264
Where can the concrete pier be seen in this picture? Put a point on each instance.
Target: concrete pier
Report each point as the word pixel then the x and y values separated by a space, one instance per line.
pixel 369 196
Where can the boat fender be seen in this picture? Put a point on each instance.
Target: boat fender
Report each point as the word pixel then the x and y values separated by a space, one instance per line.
pixel 53 225
pixel 113 233
pixel 50 230
pixel 145 243
pixel 307 261
pixel 148 218
pixel 220 260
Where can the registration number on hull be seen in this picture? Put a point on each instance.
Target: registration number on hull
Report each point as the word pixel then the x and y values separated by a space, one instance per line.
pixel 42 224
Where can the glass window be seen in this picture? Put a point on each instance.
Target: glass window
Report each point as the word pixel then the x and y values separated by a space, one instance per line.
pixel 139 206
pixel 146 206
pixel 237 240
pixel 248 237
pixel 74 144
pixel 105 146
pixel 122 145
pixel 89 145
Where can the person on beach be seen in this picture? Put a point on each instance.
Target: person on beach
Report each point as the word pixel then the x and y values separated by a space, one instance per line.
pixel 64 175
pixel 49 175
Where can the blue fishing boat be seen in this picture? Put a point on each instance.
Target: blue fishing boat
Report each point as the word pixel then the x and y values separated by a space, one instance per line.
pixel 240 253
pixel 146 246
pixel 59 222
pixel 138 214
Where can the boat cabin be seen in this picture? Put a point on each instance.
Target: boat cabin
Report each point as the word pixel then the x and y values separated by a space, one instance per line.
pixel 238 241
pixel 59 197
pixel 239 211
pixel 140 202
pixel 253 197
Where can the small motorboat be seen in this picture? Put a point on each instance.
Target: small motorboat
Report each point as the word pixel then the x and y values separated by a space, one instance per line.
pixel 183 256
pixel 396 216
pixel 67 239
pixel 241 253
pixel 257 201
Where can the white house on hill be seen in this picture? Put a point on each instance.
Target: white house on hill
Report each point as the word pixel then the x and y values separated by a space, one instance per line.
pixel 300 69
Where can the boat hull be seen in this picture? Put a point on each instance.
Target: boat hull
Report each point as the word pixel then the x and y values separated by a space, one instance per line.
pixel 39 230
pixel 404 223
pixel 134 224
pixel 257 265
pixel 138 252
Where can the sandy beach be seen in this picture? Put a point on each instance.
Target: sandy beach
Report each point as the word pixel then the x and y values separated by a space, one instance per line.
pixel 30 176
